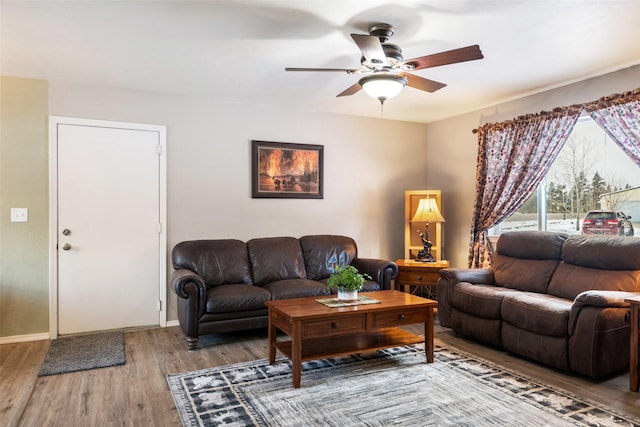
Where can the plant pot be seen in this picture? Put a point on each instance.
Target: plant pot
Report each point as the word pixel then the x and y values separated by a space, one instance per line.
pixel 347 295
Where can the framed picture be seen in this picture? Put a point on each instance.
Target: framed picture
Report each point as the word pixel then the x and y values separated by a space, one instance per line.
pixel 285 170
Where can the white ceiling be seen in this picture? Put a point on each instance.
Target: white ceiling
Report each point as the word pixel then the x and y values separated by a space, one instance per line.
pixel 236 51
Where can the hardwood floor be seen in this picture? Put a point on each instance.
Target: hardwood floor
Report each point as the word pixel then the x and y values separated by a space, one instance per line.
pixel 137 393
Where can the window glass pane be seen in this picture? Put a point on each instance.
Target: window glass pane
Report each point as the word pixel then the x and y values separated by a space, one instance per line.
pixel 525 219
pixel 590 174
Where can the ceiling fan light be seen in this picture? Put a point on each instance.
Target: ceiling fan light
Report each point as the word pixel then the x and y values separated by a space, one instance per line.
pixel 383 86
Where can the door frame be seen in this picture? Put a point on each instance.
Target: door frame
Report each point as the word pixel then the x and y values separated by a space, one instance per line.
pixel 54 122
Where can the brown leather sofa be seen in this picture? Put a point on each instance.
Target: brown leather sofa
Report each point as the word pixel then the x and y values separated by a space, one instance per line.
pixel 222 285
pixel 550 297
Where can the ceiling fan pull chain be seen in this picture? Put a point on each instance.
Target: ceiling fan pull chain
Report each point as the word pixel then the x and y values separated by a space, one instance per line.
pixel 382 99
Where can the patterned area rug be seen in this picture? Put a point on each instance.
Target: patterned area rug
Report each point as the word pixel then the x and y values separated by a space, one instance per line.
pixel 388 387
pixel 82 352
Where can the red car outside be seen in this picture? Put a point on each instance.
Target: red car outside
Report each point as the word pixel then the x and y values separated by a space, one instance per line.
pixel 607 222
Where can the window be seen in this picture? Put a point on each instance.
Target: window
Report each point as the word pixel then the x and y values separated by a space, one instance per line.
pixel 590 173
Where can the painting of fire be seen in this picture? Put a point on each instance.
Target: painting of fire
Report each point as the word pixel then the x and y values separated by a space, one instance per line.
pixel 285 170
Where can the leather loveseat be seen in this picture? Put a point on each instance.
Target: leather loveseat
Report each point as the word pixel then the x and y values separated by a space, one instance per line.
pixel 550 297
pixel 222 285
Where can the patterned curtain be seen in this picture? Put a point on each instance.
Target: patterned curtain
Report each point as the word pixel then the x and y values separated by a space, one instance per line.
pixel 513 158
pixel 619 116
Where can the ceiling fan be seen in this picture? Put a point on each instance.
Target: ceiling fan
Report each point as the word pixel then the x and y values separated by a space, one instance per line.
pixel 385 72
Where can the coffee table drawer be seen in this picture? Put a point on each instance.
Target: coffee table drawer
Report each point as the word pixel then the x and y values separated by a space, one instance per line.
pixel 335 326
pixel 397 318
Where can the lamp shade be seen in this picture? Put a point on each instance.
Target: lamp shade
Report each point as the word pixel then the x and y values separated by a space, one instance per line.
pixel 383 86
pixel 428 211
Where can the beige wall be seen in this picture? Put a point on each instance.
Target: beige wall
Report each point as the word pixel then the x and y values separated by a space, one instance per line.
pixel 24 274
pixel 452 148
pixel 368 165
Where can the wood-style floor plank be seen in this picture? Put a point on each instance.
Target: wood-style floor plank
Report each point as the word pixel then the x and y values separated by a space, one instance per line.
pixel 137 393
pixel 19 367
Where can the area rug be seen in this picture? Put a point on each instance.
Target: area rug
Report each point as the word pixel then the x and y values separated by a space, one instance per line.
pixel 389 387
pixel 82 352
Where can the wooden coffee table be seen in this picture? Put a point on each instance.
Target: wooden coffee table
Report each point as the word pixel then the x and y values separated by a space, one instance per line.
pixel 317 331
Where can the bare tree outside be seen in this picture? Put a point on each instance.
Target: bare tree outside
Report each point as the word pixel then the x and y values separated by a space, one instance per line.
pixel 571 169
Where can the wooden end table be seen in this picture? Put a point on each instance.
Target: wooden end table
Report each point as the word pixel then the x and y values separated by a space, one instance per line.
pixel 634 366
pixel 420 275
pixel 317 331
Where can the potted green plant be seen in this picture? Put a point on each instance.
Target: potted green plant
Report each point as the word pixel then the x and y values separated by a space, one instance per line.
pixel 348 280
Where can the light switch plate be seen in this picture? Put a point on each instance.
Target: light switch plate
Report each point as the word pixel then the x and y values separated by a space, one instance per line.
pixel 19 214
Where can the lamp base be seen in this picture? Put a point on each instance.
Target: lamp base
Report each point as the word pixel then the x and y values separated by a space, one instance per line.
pixel 425 256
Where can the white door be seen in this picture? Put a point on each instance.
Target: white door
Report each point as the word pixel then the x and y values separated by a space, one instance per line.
pixel 109 226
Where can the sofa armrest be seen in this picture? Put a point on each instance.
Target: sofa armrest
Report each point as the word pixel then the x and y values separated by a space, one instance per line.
pixel 599 332
pixel 190 286
pixel 382 271
pixel 450 277
pixel 604 298
pixel 598 299
pixel 181 278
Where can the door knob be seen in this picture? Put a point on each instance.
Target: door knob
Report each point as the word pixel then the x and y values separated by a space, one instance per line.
pixel 66 231
pixel 66 246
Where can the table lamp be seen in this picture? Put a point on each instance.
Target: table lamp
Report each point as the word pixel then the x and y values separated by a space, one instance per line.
pixel 427 212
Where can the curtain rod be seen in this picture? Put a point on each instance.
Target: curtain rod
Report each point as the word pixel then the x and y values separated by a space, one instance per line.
pixel 602 102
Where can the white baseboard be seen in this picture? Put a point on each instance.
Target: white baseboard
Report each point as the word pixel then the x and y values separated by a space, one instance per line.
pixel 24 338
pixel 45 335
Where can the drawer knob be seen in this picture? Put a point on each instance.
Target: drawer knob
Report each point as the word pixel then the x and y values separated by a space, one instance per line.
pixel 419 277
pixel 334 325
pixel 401 317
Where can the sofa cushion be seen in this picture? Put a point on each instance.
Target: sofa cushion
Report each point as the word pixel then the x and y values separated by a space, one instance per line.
pixel 216 261
pixel 526 260
pixel 603 252
pixel 478 300
pixel 570 280
pixel 235 298
pixel 296 288
pixel 370 286
pixel 323 253
pixel 275 258
pixel 530 275
pixel 539 313
pixel 531 244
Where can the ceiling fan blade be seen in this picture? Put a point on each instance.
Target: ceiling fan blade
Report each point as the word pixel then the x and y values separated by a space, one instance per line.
pixel 422 83
pixel 346 70
pixel 462 54
pixel 354 88
pixel 371 48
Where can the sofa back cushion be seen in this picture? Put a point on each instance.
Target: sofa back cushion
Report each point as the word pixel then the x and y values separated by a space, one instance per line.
pixel 610 263
pixel 570 280
pixel 218 262
pixel 531 244
pixel 604 252
pixel 523 274
pixel 275 258
pixel 526 260
pixel 323 253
